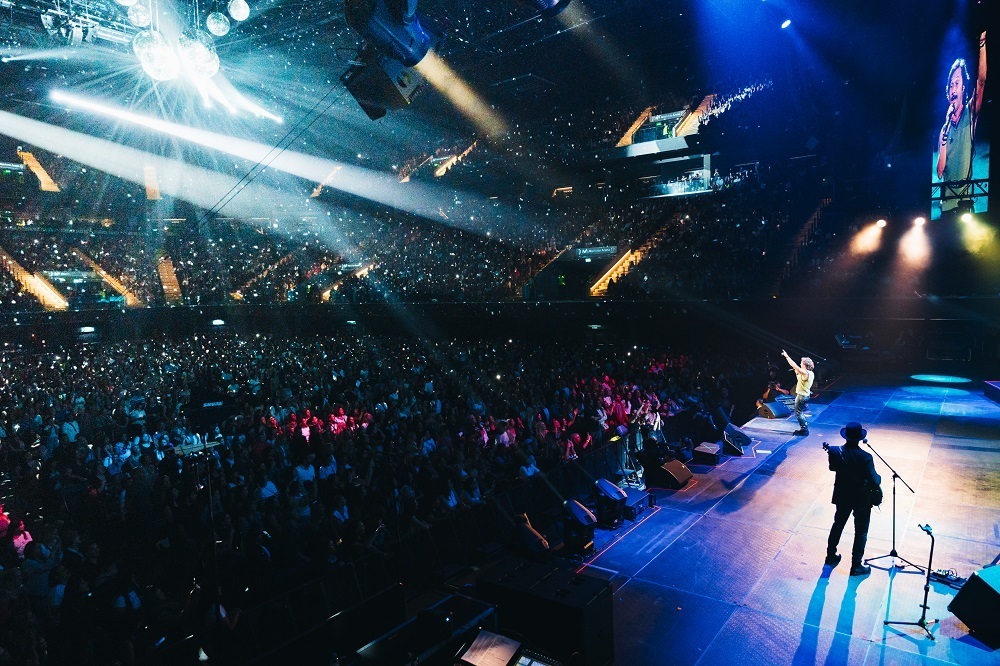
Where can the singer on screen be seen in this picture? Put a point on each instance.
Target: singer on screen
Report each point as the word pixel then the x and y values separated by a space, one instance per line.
pixel 957 136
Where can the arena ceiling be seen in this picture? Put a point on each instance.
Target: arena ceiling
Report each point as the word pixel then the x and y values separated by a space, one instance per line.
pixel 288 56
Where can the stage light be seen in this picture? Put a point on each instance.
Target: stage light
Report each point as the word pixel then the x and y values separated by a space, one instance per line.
pixel 217 24
pixel 392 27
pixel 914 247
pixel 787 23
pixel 868 239
pixel 239 10
pixel 547 8
pixel 978 238
pixel 379 82
pixel 919 221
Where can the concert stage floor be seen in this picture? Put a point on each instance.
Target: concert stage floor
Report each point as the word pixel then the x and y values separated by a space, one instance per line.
pixel 730 569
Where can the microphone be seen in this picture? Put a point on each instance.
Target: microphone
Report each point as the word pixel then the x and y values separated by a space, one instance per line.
pixel 865 440
pixel 946 128
pixel 925 528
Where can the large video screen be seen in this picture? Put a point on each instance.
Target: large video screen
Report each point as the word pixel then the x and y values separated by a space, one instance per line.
pixel 961 153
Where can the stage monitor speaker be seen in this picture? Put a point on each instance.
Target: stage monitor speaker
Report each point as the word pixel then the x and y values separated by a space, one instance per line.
pixel 773 410
pixel 673 475
pixel 566 614
pixel 977 604
pixel 734 440
pixel 610 503
pixel 707 453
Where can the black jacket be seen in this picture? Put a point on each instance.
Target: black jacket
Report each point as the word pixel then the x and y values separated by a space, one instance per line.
pixel 852 466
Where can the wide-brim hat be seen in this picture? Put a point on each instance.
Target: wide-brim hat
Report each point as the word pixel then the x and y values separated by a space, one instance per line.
pixel 853 432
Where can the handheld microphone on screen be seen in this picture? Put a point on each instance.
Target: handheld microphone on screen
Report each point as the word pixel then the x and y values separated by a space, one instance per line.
pixel 925 528
pixel 946 128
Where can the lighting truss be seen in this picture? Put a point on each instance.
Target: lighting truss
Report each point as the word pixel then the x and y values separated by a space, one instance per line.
pixel 960 189
pixel 75 23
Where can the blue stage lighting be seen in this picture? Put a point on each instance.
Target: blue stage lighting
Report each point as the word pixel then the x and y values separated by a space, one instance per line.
pixel 392 27
pixel 787 23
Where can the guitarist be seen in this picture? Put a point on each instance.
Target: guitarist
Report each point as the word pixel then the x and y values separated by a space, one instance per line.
pixel 855 471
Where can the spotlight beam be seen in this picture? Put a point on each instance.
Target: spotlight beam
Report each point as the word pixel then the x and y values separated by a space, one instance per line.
pixel 78 53
pixel 601 47
pixel 867 240
pixel 469 103
pixel 915 248
pixel 198 186
pixel 417 198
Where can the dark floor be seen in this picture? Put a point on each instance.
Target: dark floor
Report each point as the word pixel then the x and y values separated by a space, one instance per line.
pixel 730 570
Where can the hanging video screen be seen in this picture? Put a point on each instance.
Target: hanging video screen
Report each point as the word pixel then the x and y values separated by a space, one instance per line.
pixel 961 153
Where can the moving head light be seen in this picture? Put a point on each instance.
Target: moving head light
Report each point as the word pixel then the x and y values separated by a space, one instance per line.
pixel 391 26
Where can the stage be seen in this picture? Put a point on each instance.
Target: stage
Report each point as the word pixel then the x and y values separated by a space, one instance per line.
pixel 730 570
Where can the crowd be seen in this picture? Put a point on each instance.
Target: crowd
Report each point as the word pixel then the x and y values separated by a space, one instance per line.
pixel 744 229
pixel 13 298
pixel 413 259
pixel 41 251
pixel 332 449
pixel 52 256
pixel 129 257
pixel 471 252
pixel 430 262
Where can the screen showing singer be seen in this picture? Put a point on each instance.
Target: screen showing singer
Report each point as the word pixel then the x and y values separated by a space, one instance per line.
pixel 961 147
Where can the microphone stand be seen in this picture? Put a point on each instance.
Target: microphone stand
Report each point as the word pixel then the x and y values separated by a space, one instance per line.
pixel 892 553
pixel 922 622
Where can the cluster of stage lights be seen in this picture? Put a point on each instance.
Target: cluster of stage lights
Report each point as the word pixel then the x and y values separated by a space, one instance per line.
pixel 193 52
pixel 915 246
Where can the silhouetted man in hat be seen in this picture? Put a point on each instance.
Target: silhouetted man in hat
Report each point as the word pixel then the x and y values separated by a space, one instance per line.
pixel 853 467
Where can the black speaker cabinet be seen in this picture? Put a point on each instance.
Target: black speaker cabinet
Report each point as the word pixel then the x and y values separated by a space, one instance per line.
pixel 733 440
pixel 496 583
pixel 773 410
pixel 672 475
pixel 707 453
pixel 563 613
pixel 977 604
